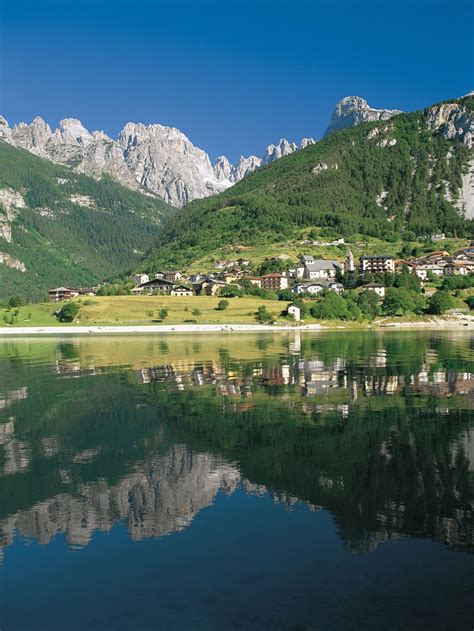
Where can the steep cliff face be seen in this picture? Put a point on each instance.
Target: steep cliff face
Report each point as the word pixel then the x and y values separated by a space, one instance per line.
pixel 455 122
pixel 164 161
pixel 354 110
pixel 245 166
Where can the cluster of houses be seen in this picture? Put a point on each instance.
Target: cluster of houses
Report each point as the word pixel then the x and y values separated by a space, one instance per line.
pixel 310 276
pixel 441 263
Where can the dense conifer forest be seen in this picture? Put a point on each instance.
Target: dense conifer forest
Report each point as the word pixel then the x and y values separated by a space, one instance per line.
pixel 74 230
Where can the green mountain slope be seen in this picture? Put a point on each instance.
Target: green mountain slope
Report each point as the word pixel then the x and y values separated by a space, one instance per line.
pixel 64 228
pixel 386 179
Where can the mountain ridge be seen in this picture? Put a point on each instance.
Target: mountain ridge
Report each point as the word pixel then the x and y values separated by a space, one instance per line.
pixel 159 159
pixel 354 110
pixel 153 158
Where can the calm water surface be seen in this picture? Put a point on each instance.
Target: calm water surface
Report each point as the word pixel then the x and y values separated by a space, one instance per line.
pixel 269 481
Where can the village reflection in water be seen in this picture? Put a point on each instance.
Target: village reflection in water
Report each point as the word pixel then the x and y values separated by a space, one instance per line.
pixel 378 430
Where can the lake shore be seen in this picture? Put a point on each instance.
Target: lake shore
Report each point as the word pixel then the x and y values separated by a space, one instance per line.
pixel 449 323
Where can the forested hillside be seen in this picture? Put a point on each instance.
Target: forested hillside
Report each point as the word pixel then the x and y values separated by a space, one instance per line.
pixel 391 179
pixel 58 227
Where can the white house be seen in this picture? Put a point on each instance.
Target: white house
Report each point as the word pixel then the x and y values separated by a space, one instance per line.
pixel 377 288
pixel 308 288
pixel 422 270
pixel 316 287
pixel 455 268
pixel 305 260
pixel 181 290
pixel 377 264
pixel 312 269
pixel 139 279
pixel 295 311
pixel 274 281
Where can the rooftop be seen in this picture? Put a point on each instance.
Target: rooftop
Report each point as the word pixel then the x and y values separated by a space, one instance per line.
pixel 376 256
pixel 321 264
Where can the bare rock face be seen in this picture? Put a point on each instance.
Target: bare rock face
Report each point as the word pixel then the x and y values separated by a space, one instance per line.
pixel 222 169
pixel 454 122
pixel 10 202
pixel 466 200
pixel 72 132
pixel 167 163
pixel 33 137
pixel 103 155
pixel 319 168
pixel 243 167
pixel 273 152
pixel 354 110
pixel 12 262
pixel 5 131
pixel 306 142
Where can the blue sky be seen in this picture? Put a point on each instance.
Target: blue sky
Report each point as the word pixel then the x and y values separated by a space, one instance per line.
pixel 233 75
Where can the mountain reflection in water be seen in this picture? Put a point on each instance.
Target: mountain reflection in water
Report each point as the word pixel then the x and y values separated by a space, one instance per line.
pixel 377 429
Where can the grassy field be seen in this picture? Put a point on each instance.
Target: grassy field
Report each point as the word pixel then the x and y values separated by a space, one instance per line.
pixel 143 310
pixel 133 310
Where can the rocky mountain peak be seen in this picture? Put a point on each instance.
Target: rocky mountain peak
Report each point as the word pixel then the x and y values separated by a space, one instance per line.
pixel 245 166
pixel 305 142
pixel 72 131
pixel 32 137
pixel 273 152
pixel 222 168
pixel 5 131
pixel 354 110
pixel 159 159
pixel 351 103
pixel 101 135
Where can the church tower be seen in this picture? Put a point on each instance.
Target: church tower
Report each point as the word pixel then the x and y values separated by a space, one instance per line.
pixel 350 268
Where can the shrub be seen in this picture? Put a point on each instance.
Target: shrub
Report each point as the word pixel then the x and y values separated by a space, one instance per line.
pixel 458 282
pixel 162 314
pixel 440 302
pixel 407 280
pixel 402 301
pixel 369 304
pixel 262 315
pixel 331 307
pixel 196 312
pixel 222 305
pixel 286 295
pixel 304 308
pixel 230 291
pixel 16 301
pixel 68 312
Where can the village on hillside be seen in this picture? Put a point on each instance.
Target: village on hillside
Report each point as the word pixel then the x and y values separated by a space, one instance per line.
pixel 309 277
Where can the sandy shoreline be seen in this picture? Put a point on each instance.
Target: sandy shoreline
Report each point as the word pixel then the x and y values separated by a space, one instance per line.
pixel 465 322
pixel 160 328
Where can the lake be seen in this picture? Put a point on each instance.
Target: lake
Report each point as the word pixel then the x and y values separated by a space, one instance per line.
pixel 249 481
